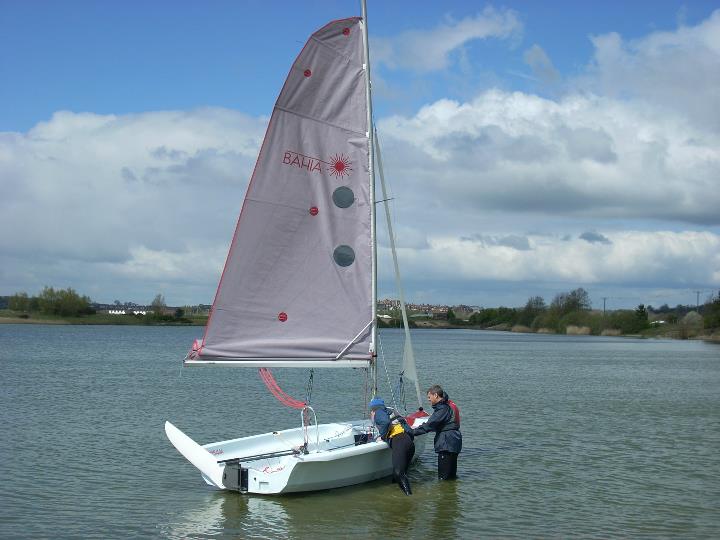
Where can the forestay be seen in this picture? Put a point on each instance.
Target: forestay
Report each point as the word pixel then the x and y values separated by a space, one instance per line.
pixel 296 287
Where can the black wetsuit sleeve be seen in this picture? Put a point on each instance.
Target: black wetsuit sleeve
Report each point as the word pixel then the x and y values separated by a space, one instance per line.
pixel 437 420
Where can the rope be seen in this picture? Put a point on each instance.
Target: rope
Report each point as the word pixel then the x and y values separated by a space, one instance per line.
pixel 309 387
pixel 365 392
pixel 400 391
pixel 278 392
pixel 387 375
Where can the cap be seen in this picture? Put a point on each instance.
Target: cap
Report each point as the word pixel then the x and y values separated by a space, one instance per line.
pixel 377 402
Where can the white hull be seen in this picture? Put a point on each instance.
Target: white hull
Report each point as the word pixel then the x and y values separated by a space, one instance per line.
pixel 337 457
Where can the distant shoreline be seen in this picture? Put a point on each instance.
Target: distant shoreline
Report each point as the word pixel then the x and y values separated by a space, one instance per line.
pixel 92 320
pixel 105 320
pixel 655 333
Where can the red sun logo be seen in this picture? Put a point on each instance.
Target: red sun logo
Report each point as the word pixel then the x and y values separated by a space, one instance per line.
pixel 340 166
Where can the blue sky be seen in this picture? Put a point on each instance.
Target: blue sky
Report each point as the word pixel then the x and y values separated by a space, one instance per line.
pixel 550 146
pixel 129 57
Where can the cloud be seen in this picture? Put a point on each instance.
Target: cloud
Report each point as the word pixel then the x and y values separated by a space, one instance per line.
pixel 513 241
pixel 676 70
pixel 594 237
pixel 626 149
pixel 145 196
pixel 679 259
pixel 431 50
pixel 583 155
pixel 500 191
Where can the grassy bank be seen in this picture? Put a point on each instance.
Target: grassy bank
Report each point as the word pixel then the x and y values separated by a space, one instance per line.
pixel 669 331
pixel 12 317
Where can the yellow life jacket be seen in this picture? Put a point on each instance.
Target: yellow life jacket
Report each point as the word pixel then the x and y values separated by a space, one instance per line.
pixel 395 429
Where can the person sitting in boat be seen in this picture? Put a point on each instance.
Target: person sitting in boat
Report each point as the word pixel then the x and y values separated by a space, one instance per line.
pixel 396 433
pixel 445 422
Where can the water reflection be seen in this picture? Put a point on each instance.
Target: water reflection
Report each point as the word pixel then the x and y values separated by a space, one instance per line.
pixel 391 513
pixel 446 513
pixel 223 513
pixel 203 520
pixel 377 509
pixel 255 516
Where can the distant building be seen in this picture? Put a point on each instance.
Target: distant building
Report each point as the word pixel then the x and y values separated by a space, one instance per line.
pixel 128 311
pixel 387 304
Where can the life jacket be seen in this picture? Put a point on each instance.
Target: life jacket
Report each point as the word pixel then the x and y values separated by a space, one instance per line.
pixel 395 429
pixel 398 424
pixel 456 412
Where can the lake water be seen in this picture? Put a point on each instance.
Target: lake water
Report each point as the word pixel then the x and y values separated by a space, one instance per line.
pixel 563 437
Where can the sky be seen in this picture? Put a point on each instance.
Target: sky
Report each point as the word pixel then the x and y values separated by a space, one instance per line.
pixel 531 148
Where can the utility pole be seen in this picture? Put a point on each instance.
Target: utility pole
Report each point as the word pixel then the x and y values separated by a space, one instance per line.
pixel 697 300
pixel 604 298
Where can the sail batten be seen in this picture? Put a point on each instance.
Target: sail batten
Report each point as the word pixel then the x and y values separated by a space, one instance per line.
pixel 325 122
pixel 297 282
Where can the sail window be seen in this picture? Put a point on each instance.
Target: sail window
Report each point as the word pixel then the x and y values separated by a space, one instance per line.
pixel 343 197
pixel 344 255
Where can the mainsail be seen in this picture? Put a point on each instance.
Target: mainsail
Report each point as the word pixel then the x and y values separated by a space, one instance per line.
pixel 299 284
pixel 296 288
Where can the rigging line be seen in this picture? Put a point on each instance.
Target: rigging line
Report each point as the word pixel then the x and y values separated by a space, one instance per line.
pixel 309 387
pixel 387 375
pixel 365 392
pixel 280 395
pixel 407 355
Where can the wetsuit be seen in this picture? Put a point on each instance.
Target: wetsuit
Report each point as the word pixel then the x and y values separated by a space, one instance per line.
pixel 444 421
pixel 396 433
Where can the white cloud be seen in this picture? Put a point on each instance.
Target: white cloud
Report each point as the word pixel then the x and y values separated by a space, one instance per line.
pixel 430 50
pixel 678 70
pixel 679 259
pixel 583 156
pixel 613 184
pixel 146 196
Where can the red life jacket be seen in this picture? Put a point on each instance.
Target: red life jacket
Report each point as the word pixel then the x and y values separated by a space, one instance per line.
pixel 456 411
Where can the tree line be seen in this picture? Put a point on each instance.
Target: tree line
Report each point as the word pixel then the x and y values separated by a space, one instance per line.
pixel 64 302
pixel 573 310
pixel 68 303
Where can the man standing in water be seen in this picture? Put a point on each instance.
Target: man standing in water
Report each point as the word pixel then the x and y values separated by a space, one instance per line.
pixel 445 422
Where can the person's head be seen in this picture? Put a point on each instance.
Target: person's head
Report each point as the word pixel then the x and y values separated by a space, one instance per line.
pixel 376 403
pixel 435 394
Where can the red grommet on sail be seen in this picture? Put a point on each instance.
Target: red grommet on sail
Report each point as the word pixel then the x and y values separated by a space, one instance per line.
pixel 346 31
pixel 314 211
pixel 307 73
pixel 282 317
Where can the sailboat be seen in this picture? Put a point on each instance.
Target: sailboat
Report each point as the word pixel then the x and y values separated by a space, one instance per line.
pixel 299 287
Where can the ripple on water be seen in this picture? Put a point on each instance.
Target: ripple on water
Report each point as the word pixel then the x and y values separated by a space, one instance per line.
pixel 562 438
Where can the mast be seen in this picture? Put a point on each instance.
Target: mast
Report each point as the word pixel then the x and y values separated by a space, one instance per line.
pixel 371 168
